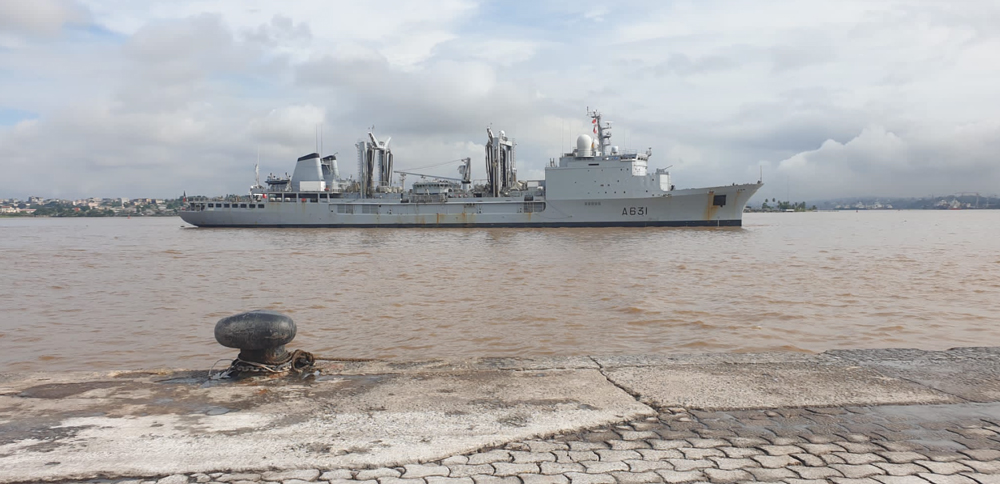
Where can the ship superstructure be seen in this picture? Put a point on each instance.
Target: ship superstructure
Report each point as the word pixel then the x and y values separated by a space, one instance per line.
pixel 594 185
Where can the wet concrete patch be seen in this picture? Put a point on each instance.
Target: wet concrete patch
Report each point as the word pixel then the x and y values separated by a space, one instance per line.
pixel 976 413
pixel 63 390
pixel 970 374
pixel 168 423
pixel 726 386
pixel 373 414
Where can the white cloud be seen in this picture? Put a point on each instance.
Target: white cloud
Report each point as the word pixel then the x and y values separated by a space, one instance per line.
pixel 836 97
pixel 390 24
pixel 873 147
pixel 288 125
pixel 879 162
pixel 39 17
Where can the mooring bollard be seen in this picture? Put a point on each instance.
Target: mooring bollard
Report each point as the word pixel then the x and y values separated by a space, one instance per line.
pixel 261 337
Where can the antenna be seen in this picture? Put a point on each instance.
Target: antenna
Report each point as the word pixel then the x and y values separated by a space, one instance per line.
pixel 321 139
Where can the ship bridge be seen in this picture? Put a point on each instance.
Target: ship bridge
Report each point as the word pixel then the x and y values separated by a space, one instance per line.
pixel 596 169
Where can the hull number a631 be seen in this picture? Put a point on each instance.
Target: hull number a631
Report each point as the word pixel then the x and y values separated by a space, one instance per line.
pixel 635 211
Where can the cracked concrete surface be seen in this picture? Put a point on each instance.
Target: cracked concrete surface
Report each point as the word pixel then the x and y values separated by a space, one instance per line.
pixel 389 415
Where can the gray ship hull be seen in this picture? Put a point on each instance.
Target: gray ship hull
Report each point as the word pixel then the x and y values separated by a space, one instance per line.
pixel 595 185
pixel 701 207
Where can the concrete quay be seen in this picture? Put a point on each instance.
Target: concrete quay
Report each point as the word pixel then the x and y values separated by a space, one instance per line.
pixel 866 416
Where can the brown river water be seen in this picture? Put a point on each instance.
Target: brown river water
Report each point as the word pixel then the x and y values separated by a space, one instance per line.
pixel 101 294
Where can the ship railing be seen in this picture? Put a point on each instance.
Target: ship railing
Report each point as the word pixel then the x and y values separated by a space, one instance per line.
pixel 428 198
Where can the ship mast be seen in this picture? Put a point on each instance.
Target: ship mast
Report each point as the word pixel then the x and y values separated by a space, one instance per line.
pixel 602 130
pixel 374 158
pixel 501 171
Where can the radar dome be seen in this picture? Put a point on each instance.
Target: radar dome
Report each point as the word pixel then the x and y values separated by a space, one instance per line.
pixel 584 145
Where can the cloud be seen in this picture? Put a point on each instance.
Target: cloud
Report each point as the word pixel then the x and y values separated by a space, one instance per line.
pixel 836 97
pixel 438 93
pixel 279 31
pixel 880 162
pixel 39 17
pixel 289 125
pixel 682 65
pixel 872 148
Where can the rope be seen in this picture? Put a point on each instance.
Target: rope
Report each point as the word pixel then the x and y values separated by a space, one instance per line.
pixel 323 358
pixel 218 376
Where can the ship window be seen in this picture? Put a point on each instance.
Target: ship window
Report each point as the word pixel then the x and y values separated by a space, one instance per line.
pixel 225 205
pixel 211 205
pixel 260 205
pixel 719 201
pixel 324 196
pixel 243 205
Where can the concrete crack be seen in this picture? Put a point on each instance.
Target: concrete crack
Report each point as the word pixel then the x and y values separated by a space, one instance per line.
pixel 963 399
pixel 628 391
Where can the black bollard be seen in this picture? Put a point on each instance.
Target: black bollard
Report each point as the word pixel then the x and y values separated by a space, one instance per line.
pixel 260 336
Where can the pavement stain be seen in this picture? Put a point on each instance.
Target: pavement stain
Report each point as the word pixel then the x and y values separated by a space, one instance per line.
pixel 929 457
pixel 896 438
pixel 64 390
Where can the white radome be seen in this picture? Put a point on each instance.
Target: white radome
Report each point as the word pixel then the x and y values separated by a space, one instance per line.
pixel 584 144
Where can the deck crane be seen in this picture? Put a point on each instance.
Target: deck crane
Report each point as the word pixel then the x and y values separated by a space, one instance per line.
pixel 464 169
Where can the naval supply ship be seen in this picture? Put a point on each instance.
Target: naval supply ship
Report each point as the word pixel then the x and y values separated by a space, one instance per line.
pixel 595 185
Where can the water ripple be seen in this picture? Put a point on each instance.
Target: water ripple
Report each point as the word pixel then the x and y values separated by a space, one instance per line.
pixel 113 294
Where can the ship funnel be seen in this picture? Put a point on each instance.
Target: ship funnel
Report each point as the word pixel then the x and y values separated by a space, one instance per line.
pixel 308 174
pixel 331 161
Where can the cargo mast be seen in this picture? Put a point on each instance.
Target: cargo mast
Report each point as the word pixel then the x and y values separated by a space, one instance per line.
pixel 501 171
pixel 374 155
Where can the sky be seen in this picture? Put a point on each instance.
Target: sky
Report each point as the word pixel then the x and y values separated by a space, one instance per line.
pixel 828 99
